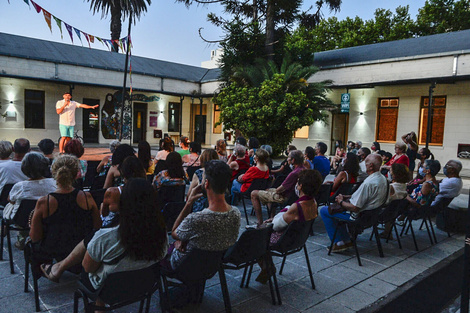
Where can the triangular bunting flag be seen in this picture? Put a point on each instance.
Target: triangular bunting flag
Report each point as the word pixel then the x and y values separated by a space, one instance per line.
pixel 77 31
pixel 59 24
pixel 87 39
pixel 69 29
pixel 120 44
pixel 92 38
pixel 47 17
pixel 123 45
pixel 36 6
pixel 27 2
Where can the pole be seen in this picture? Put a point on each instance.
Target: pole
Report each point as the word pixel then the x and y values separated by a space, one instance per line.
pixel 429 125
pixel 125 77
pixel 181 115
pixel 466 267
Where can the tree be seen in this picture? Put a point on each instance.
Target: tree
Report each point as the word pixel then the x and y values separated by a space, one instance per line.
pixel 117 8
pixel 271 102
pixel 441 16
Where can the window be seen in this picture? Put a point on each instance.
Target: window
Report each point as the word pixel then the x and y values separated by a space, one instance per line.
pixel 387 117
pixel 174 117
pixel 217 129
pixel 34 108
pixel 437 123
pixel 302 133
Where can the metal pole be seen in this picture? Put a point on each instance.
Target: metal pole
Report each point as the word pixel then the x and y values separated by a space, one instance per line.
pixel 181 115
pixel 429 125
pixel 466 267
pixel 125 78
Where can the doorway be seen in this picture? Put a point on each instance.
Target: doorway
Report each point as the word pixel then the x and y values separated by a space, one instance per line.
pixel 139 122
pixel 198 123
pixel 91 121
pixel 339 130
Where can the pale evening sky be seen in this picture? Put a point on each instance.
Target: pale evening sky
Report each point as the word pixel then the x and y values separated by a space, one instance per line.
pixel 168 31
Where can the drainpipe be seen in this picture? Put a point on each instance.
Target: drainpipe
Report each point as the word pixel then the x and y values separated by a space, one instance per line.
pixel 430 112
pixel 181 114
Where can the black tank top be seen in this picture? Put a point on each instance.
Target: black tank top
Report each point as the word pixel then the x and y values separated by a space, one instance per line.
pixel 67 226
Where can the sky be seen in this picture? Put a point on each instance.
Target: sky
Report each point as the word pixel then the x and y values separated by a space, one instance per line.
pixel 168 31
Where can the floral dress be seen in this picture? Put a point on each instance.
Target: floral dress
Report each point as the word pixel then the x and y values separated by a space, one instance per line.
pixel 421 199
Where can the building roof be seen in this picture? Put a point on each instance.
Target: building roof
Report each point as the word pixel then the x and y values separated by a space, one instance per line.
pixel 399 49
pixel 36 49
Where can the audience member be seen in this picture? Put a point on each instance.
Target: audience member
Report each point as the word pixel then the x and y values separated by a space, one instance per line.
pixel 253 145
pixel 348 174
pixel 144 154
pixel 362 154
pixel 47 148
pixel 113 178
pixel 451 186
pixel 425 193
pixel 280 194
pixel 214 228
pixel 192 159
pixel 423 155
pixel 370 195
pixel 105 163
pixel 221 148
pixel 338 157
pixel 399 157
pixel 75 147
pixel 268 149
pixel 411 140
pixel 206 156
pixel 6 149
pixel 284 169
pixel 309 155
pixel 167 147
pixel 175 175
pixel 10 171
pixel 240 165
pixel 352 147
pixel 375 147
pixel 320 161
pixel 184 145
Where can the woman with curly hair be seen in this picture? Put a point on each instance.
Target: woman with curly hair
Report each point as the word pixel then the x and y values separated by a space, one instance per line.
pixel 348 174
pixel 167 146
pixel 175 175
pixel 139 241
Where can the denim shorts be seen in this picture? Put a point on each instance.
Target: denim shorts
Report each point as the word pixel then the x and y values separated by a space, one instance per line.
pixel 66 131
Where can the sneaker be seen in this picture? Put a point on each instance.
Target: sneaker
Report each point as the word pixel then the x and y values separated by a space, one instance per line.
pixel 252 226
pixel 342 248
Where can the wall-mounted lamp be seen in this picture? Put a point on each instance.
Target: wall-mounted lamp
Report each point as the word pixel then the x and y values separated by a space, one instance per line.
pixel 361 113
pixel 11 110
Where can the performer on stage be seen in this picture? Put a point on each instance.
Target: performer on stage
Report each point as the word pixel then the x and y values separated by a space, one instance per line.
pixel 66 110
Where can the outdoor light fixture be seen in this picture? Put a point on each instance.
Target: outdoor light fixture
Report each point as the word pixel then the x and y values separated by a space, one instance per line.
pixel 11 110
pixel 361 113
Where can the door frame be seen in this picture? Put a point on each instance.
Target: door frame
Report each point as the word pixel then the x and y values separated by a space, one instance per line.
pixel 139 107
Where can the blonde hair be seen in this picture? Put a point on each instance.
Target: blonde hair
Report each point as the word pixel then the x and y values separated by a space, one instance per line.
pixel 65 169
pixel 207 155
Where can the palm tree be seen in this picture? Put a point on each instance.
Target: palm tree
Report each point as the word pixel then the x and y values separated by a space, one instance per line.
pixel 129 8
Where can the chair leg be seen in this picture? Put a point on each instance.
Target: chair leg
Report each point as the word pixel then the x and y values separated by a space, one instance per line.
pixel 357 251
pixel 166 300
pixel 276 286
pixel 432 230
pixel 141 306
pixel 244 276
pixel 1 239
pixel 371 236
pixel 244 207
pixel 223 286
pixel 429 232
pixel 76 298
pixel 147 304
pixel 413 234
pixel 377 239
pixel 36 291
pixel 10 251
pixel 398 237
pixel 309 267
pixel 249 276
pixel 333 240
pixel 421 226
pixel 282 264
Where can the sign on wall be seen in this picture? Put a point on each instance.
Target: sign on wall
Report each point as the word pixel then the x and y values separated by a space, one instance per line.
pixel 345 100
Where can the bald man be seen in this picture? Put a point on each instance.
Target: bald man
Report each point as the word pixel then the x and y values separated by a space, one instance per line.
pixel 370 195
pixel 451 186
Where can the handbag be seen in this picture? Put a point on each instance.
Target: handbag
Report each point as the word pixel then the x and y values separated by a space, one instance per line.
pixel 335 208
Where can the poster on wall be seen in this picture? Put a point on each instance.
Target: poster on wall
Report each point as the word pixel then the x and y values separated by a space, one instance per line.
pixel 153 119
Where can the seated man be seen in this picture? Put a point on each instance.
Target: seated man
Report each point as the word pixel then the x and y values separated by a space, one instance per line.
pixel 10 171
pixel 214 228
pixel 281 193
pixel 362 154
pixel 370 195
pixel 450 186
pixel 320 161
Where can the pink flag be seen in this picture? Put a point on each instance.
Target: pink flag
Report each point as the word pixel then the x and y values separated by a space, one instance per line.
pixel 87 38
pixel 69 29
pixel 47 17
pixel 36 6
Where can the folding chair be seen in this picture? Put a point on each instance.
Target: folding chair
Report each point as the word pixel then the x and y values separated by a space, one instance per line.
pixel 257 184
pixel 414 214
pixel 4 195
pixel 389 214
pixel 171 211
pixel 323 194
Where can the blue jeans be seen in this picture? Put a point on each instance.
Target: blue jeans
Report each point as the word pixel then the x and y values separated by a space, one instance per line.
pixel 236 189
pixel 330 225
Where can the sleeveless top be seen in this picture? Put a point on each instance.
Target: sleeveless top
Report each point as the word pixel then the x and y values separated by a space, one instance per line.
pixel 421 199
pixel 242 165
pixel 66 227
pixel 352 181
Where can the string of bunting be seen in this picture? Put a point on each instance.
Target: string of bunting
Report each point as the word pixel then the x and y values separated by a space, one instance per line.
pixel 70 29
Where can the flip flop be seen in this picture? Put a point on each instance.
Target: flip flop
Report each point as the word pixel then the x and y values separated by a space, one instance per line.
pixel 46 270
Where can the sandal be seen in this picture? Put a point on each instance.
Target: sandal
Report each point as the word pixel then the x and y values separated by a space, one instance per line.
pixel 46 270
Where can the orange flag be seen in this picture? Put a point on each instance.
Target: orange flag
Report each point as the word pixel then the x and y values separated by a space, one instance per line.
pixel 47 17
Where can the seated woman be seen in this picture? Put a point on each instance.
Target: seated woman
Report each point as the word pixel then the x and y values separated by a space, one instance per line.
pixel 253 145
pixel 206 156
pixel 167 147
pixel 221 148
pixel 139 240
pixel 35 166
pixel 240 165
pixel 425 193
pixel 423 155
pixel 105 163
pixel 184 145
pixel 348 174
pixel 375 147
pixel 338 157
pixel 63 218
pixel 411 140
pixel 175 175
pixel 145 157
pixel 309 156
pixel 399 157
pixel 113 178
pixel 304 209
pixel 75 147
pixel 192 159
pixel 261 170
pixel 269 162
pixel 130 168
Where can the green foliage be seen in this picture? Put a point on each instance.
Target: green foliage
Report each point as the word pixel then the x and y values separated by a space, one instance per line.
pixel 271 103
pixel 442 16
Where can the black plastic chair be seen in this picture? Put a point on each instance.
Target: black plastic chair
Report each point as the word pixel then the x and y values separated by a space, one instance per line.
pixel 167 194
pixel 256 184
pixel 251 247
pixel 197 267
pixel 121 289
pixel 423 213
pixel 190 170
pixel 19 222
pixel 4 195
pixel 389 214
pixel 278 181
pixel 441 207
pixel 292 241
pixel 171 211
pixel 323 194
pixel 98 196
pixel 98 182
pixel 344 189
pixel 366 219
pixel 160 166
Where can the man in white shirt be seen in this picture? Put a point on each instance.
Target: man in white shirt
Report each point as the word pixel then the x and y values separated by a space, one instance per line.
pixel 10 171
pixel 450 186
pixel 66 110
pixel 362 154
pixel 6 149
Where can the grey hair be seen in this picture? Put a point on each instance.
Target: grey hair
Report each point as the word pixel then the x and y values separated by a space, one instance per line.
pixel 113 145
pixel 239 150
pixel 34 165
pixel 267 148
pixel 6 149
pixel 297 156
pixel 401 145
pixel 457 165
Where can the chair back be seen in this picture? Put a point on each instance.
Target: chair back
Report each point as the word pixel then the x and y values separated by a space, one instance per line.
pixel 278 181
pixel 441 205
pixel 98 182
pixel 323 194
pixel 4 195
pixel 21 217
pixel 198 265
pixel 257 184
pixel 125 286
pixel 150 178
pixel 294 237
pixel 392 210
pixel 90 173
pixel 171 211
pixel 368 218
pixel 98 196
pixel 167 194
pixel 190 170
pixel 252 245
pixel 160 166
